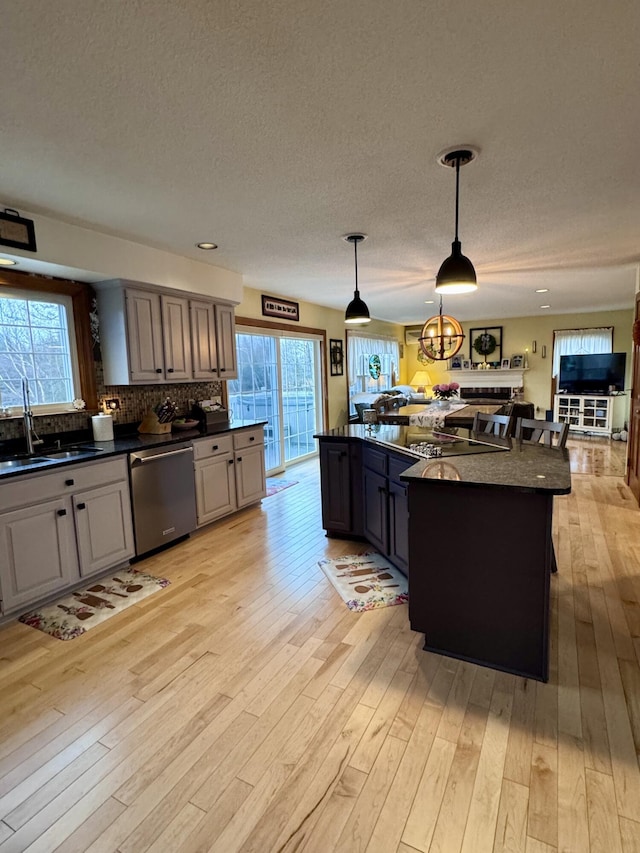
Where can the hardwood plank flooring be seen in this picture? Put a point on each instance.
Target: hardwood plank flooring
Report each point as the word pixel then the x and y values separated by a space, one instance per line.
pixel 244 708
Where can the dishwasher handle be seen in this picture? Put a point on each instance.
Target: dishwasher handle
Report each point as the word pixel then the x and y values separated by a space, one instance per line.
pixel 136 460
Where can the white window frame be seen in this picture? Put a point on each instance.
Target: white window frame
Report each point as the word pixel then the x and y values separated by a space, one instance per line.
pixel 66 301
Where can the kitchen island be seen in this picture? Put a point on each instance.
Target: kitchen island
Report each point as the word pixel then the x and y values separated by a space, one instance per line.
pixel 479 552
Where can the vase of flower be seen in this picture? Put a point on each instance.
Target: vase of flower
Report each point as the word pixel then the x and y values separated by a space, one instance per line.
pixel 443 394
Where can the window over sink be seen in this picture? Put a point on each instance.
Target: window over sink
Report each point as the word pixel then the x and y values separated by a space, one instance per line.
pixel 35 344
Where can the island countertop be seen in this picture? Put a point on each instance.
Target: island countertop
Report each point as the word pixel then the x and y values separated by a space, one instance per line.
pixel 477 459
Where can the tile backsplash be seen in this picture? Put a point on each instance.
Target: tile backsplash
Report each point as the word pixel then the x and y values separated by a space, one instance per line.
pixel 135 401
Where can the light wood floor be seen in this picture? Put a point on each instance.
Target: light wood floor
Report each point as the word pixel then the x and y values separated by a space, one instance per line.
pixel 244 708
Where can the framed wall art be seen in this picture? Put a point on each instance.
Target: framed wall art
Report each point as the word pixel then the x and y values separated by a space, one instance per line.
pixel 283 308
pixel 16 231
pixel 486 345
pixel 336 357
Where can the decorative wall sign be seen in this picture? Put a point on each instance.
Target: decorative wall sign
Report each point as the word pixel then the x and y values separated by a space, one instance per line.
pixel 336 357
pixel 17 232
pixel 272 307
pixel 486 345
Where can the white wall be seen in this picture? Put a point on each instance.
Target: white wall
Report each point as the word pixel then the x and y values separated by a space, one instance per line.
pixel 72 251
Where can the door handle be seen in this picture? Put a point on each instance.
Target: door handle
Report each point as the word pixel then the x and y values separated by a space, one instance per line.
pixel 231 462
pixel 62 512
pixel 80 506
pixel 142 460
pixel 239 459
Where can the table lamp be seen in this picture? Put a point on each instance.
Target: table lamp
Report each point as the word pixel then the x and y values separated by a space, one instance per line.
pixel 420 379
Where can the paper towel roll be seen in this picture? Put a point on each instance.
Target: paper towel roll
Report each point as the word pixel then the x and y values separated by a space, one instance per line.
pixel 102 427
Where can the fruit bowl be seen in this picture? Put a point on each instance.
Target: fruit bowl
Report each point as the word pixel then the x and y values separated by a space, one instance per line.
pixel 187 424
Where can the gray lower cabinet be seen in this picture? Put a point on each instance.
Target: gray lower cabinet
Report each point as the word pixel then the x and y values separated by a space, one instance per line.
pixel 103 527
pixel 229 473
pixel 59 526
pixel 37 552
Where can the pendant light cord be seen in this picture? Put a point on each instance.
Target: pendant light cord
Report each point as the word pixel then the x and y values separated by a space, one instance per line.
pixel 355 254
pixel 457 193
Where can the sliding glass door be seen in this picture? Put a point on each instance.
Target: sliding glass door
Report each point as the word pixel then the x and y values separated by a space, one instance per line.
pixel 279 381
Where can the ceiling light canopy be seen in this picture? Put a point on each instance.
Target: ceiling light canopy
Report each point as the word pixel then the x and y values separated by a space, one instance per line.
pixel 456 274
pixel 207 246
pixel 357 312
pixel 7 262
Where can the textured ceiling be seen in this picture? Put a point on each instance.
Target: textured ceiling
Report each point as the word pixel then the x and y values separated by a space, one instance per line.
pixel 273 128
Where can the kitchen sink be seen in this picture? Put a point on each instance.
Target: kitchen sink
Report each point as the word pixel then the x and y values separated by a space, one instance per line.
pixel 12 464
pixel 69 454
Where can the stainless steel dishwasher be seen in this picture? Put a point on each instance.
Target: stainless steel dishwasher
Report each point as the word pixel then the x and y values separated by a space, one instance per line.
pixel 162 494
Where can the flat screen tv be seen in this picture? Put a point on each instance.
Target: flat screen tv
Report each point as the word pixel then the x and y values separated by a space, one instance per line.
pixel 592 374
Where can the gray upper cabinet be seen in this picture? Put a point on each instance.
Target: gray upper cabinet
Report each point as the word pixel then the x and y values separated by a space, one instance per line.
pixel 157 336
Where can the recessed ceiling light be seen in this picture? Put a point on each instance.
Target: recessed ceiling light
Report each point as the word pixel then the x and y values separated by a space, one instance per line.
pixel 543 290
pixel 7 262
pixel 207 245
pixel 545 306
pixel 429 301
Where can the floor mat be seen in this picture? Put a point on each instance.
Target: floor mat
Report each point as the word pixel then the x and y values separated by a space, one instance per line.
pixel 274 485
pixel 366 581
pixel 75 614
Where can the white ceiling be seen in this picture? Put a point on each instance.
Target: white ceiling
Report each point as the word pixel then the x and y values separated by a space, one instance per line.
pixel 273 128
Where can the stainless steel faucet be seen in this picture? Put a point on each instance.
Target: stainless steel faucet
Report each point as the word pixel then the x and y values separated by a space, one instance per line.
pixel 27 415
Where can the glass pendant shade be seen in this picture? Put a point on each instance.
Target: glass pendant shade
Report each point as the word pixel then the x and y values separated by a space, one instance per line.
pixel 456 274
pixel 441 337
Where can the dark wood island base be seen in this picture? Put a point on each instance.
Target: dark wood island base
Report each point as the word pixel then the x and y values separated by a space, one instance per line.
pixel 479 574
pixel 477 526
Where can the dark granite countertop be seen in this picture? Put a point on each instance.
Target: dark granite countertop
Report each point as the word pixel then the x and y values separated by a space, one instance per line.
pixel 122 444
pixel 519 466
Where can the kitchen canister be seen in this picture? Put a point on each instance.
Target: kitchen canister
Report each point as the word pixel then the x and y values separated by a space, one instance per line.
pixel 102 426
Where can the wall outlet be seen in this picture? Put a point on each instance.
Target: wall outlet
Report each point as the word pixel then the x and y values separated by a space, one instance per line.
pixel 112 405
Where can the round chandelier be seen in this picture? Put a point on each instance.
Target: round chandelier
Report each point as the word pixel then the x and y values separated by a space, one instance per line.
pixel 441 337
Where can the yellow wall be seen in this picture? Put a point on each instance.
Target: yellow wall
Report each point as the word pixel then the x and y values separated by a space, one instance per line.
pixel 332 322
pixel 519 333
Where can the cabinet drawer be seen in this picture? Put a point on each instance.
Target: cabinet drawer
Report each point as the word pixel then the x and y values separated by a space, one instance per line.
pixel 213 445
pixel 375 460
pixel 248 438
pixel 55 483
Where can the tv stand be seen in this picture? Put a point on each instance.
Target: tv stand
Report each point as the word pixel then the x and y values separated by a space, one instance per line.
pixel 590 413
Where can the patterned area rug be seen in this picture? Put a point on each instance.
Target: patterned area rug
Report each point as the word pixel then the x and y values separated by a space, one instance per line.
pixel 76 613
pixel 274 485
pixel 366 581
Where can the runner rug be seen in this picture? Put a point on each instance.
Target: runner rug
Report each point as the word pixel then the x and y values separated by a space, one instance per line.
pixel 85 608
pixel 274 485
pixel 366 581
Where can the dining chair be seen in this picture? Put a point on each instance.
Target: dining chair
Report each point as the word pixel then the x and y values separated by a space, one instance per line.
pixel 493 424
pixel 531 431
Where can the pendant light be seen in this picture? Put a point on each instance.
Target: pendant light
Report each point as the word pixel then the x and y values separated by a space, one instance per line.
pixel 357 311
pixel 456 275
pixel 441 337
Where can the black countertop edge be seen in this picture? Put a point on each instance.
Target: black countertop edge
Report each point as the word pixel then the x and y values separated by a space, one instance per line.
pixel 124 444
pixel 524 468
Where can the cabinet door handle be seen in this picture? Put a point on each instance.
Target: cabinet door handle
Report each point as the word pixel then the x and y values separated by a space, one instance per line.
pixel 158 370
pixel 69 482
pixel 215 447
pixel 252 438
pixel 239 459
pixel 62 512
pixel 80 506
pixel 231 462
pixel 169 369
pixel 223 370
